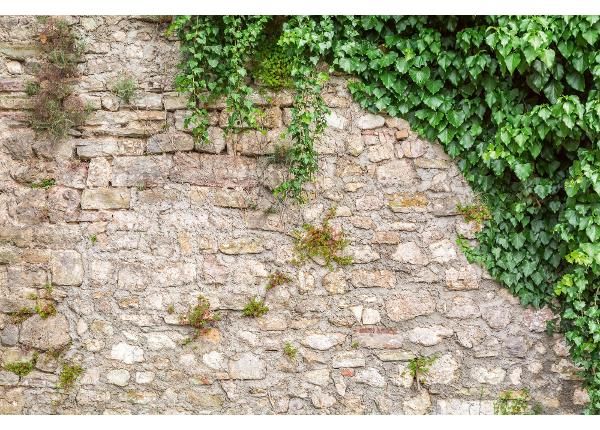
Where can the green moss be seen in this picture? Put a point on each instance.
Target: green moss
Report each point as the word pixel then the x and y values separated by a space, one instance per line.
pixel 93 239
pixel 255 308
pixel 44 183
pixel 322 242
pixel 515 403
pixel 272 66
pixel 45 311
pixel 21 315
pixel 68 375
pixel 276 279
pixel 476 212
pixel 22 368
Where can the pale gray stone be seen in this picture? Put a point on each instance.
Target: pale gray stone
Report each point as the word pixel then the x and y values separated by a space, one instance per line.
pixel 484 375
pixel 370 121
pixel 323 342
pixel 318 377
pixel 247 366
pixel 105 198
pixel 126 353
pixel 67 268
pixel 429 336
pixel 118 377
pixel 51 333
pixel 348 359
pixel 409 252
pixel 370 376
pixel 409 305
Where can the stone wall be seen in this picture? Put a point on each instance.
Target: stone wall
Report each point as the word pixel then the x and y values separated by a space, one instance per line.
pixel 142 220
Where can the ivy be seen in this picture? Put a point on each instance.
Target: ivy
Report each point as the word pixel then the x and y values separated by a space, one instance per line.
pixel 515 100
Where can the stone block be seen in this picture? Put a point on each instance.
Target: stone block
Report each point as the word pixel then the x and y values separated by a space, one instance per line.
pixel 105 198
pixel 67 268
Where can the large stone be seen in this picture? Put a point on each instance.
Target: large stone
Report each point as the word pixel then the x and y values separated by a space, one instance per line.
pixel 429 336
pixel 409 252
pixel 462 307
pixel 379 338
pixel 67 268
pixel 348 359
pixel 397 172
pixel 322 400
pixel 144 171
pixel 105 198
pixel 243 245
pixel 370 376
pixel 323 342
pixel 213 170
pixel 158 341
pixel 318 377
pixel 118 377
pixel 373 279
pixel 170 142
pixel 464 278
pixel 370 121
pixel 107 147
pixel 248 366
pixel 418 405
pixel 370 316
pixel 442 251
pixel 492 376
pixel 126 353
pixel 410 305
pixel 443 370
pixel 465 407
pixel 46 334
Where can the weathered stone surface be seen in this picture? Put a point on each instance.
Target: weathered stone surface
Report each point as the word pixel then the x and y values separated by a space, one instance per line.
pixel 379 338
pixel 51 333
pixel 323 342
pixel 247 366
pixel 118 377
pixel 348 359
pixel 465 278
pixel 465 407
pixel 418 405
pixel 67 268
pixel 126 353
pixel 318 377
pixel 461 307
pixel 140 171
pixel 170 142
pixel 244 245
pixel 105 198
pixel 492 376
pixel 335 282
pixel 396 172
pixel 373 279
pixel 409 252
pixel 371 316
pixel 322 400
pixel 410 305
pixel 370 376
pixel 429 336
pixel 370 121
pixel 443 370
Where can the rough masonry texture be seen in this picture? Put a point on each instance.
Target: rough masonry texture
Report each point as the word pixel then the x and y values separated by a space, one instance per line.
pixel 142 220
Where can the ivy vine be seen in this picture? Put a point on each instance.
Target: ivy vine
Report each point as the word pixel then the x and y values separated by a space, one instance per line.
pixel 514 99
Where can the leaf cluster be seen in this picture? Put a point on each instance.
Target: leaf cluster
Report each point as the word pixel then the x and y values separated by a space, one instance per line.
pixel 200 316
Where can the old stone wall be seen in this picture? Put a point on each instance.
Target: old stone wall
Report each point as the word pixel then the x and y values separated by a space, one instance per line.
pixel 141 221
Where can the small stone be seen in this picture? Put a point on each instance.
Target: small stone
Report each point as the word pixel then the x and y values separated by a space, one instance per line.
pixel 169 142
pixel 67 268
pixel 396 173
pixel 418 405
pixel 14 67
pixel 410 305
pixel 158 341
pixel 409 252
pixel 561 348
pixel 248 366
pixel 9 336
pixel 335 120
pixel 144 377
pixel 355 146
pixel 465 407
pixel 348 359
pixel 323 342
pixel 381 152
pixel 462 307
pixel 318 377
pixel 371 377
pixel 373 279
pixel 429 336
pixel 515 376
pixel 99 172
pixel 370 121
pixel 51 333
pixel 379 338
pixel 395 355
pixel 401 134
pixel 322 400
pixel 371 316
pixel 402 377
pixel 105 198
pixel 580 397
pixel 335 282
pixel 414 149
pixel 536 319
pixel 127 353
pixel 492 376
pixel 118 377
pixel 8 378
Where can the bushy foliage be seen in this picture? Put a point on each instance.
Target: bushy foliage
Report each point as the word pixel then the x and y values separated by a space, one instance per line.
pixel 514 99
pixel 200 316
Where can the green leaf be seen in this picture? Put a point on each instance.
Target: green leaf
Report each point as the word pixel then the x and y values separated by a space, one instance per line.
pixel 512 61
pixel 523 170
pixel 576 81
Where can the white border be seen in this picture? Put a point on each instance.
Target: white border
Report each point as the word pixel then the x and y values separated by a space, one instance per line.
pixel 295 7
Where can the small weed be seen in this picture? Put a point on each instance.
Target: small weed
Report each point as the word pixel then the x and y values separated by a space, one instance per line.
pixel 477 212
pixel 21 315
pixel 255 308
pixel 32 88
pixel 124 88
pixel 354 344
pixel 22 368
pixel 290 351
pixel 44 183
pixel 93 239
pixel 186 341
pixel 200 316
pixel 45 311
pixel 276 279
pixel 141 186
pixel 515 403
pixel 171 309
pixel 418 368
pixel 322 241
pixel 68 375
pixel 48 287
pixel 32 296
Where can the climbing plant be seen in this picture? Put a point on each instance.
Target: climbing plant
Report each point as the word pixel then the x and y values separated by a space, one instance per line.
pixel 514 99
